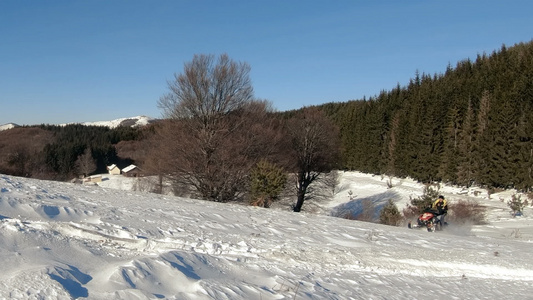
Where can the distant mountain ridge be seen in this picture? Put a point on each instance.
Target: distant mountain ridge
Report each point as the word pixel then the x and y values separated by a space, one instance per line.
pixel 8 126
pixel 122 122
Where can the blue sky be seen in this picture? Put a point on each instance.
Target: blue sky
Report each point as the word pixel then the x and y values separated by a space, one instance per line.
pixel 77 61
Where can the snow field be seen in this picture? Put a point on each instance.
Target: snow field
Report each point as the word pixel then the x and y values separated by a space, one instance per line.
pixel 64 241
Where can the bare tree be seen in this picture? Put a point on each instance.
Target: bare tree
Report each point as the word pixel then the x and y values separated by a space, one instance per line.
pixel 218 132
pixel 19 152
pixel 86 164
pixel 207 89
pixel 19 160
pixel 314 144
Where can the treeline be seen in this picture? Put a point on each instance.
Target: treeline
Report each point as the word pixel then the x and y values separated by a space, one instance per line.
pixel 471 125
pixel 73 140
pixel 51 152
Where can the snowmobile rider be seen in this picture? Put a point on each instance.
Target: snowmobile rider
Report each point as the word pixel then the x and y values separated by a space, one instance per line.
pixel 441 207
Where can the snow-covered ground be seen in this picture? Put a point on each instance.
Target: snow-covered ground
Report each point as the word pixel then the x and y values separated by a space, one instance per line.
pixel 65 240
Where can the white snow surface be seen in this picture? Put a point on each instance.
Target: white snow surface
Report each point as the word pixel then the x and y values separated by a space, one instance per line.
pixel 65 240
pixel 8 126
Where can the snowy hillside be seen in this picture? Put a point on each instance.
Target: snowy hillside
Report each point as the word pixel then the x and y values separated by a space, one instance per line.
pixel 132 121
pixel 8 126
pixel 63 241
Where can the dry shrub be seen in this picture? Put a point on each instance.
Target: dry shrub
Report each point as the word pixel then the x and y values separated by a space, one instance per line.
pixel 348 216
pixel 261 202
pixel 467 211
pixel 367 211
pixel 360 210
pixel 410 212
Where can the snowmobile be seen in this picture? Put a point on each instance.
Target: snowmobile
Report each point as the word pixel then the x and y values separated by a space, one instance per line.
pixel 429 219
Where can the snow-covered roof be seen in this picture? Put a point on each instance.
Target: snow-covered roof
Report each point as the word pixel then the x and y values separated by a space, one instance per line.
pixel 129 168
pixel 111 167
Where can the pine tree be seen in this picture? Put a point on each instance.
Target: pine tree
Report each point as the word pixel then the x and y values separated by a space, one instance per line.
pixel 392 145
pixel 482 142
pixel 448 165
pixel 267 182
pixel 390 215
pixel 465 149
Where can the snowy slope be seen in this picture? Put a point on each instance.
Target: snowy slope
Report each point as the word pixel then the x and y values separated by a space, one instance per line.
pixel 8 126
pixel 132 121
pixel 63 241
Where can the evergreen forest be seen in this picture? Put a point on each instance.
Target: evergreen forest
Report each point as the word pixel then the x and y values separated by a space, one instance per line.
pixel 471 125
pixel 73 140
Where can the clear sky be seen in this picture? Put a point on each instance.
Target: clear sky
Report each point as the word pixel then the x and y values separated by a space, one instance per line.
pixel 77 61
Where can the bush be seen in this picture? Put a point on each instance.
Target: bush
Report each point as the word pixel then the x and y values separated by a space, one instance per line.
pixel 516 204
pixel 367 211
pixel 390 215
pixel 467 211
